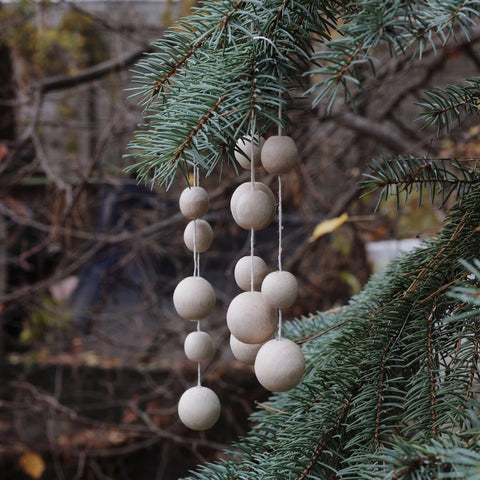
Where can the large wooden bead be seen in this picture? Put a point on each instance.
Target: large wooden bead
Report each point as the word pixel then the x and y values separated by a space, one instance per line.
pixel 279 365
pixel 255 209
pixel 198 346
pixel 193 202
pixel 242 272
pixel 243 151
pixel 198 232
pixel 199 408
pixel 244 352
pixel 245 187
pixel 279 154
pixel 194 298
pixel 280 289
pixel 250 319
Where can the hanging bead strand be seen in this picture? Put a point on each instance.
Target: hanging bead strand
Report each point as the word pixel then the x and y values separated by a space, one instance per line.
pixel 194 299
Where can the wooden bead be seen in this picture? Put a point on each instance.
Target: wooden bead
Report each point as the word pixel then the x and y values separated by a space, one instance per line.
pixel 243 151
pixel 279 365
pixel 194 298
pixel 202 232
pixel 244 352
pixel 279 154
pixel 250 319
pixel 280 289
pixel 199 408
pixel 193 202
pixel 245 187
pixel 243 276
pixel 255 209
pixel 198 346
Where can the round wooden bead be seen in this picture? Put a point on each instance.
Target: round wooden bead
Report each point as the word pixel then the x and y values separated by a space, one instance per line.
pixel 280 289
pixel 242 272
pixel 194 298
pixel 250 319
pixel 245 187
pixel 243 151
pixel 199 408
pixel 200 231
pixel 255 209
pixel 193 202
pixel 279 365
pixel 244 352
pixel 279 154
pixel 198 346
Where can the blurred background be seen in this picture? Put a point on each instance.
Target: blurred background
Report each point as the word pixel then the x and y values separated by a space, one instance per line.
pixel 91 349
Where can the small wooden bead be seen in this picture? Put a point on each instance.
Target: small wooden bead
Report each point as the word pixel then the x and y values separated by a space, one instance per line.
pixel 280 289
pixel 194 298
pixel 279 154
pixel 199 408
pixel 242 272
pixel 243 151
pixel 193 202
pixel 202 232
pixel 198 346
pixel 246 187
pixel 250 319
pixel 279 365
pixel 244 352
pixel 255 209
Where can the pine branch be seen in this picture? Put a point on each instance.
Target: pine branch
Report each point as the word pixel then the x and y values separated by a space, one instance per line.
pixel 401 175
pixel 443 106
pixel 396 24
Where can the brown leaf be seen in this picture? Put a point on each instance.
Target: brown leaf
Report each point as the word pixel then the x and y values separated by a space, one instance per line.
pixel 32 464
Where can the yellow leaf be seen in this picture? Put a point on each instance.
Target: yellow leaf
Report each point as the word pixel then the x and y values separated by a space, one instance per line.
pixel 328 226
pixel 32 464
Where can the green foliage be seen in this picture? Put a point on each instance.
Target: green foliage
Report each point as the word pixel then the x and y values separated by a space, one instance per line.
pixel 442 106
pixel 224 71
pixel 65 48
pixel 400 176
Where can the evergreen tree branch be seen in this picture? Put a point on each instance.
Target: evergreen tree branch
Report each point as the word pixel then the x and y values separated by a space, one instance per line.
pixel 442 106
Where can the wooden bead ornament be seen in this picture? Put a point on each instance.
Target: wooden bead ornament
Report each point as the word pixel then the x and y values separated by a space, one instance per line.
pixel 198 235
pixel 250 319
pixel 279 365
pixel 194 202
pixel 279 154
pixel 194 298
pixel 243 272
pixel 198 346
pixel 254 210
pixel 243 151
pixel 244 352
pixel 199 408
pixel 246 187
pixel 280 289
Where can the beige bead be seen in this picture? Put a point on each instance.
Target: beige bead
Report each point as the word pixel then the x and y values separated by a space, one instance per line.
pixel 279 365
pixel 244 352
pixel 199 408
pixel 245 187
pixel 255 209
pixel 193 202
pixel 243 151
pixel 280 289
pixel 201 231
pixel 279 154
pixel 194 298
pixel 250 319
pixel 243 276
pixel 198 346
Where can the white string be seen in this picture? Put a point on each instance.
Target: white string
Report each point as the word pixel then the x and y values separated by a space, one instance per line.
pixel 252 184
pixel 280 216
